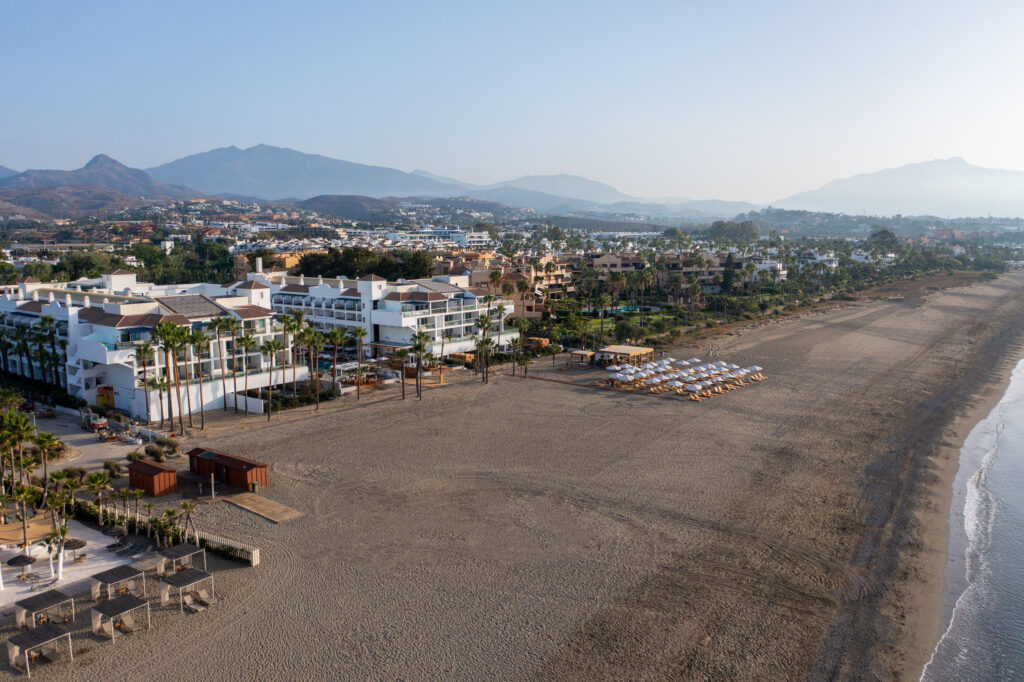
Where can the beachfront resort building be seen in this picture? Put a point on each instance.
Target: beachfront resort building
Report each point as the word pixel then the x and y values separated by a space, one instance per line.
pixel 444 307
pixel 84 336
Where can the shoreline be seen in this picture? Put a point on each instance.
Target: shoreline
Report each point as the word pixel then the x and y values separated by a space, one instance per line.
pixel 928 604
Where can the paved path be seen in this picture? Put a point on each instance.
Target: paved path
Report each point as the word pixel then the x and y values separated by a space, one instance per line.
pixel 278 513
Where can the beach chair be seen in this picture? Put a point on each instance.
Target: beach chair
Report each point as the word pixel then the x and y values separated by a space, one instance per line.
pixel 129 623
pixel 108 627
pixel 80 558
pixel 203 597
pixel 192 605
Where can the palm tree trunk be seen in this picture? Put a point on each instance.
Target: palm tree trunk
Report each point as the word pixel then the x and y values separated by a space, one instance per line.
pixel 245 368
pixel 145 388
pixel 295 363
pixel 359 366
pixel 188 387
pixel 270 388
pixel 177 392
pixel 202 400
pixel 223 376
pixel 234 365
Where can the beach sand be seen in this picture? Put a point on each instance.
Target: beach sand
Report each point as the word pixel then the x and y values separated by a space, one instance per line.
pixel 541 528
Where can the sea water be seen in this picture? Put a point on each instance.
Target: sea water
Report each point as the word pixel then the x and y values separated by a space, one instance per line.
pixel 984 639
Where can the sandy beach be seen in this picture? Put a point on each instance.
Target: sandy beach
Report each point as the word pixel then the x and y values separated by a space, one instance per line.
pixel 541 528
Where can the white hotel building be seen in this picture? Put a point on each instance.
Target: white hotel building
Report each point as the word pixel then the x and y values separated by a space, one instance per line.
pixel 445 307
pixel 100 322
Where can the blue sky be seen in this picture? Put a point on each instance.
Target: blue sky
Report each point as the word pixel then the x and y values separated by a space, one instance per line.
pixel 730 100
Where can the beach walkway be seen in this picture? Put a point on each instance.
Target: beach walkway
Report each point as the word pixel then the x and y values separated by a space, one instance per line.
pixel 268 509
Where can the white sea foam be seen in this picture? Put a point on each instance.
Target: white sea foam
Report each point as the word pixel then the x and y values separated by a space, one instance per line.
pixel 982 449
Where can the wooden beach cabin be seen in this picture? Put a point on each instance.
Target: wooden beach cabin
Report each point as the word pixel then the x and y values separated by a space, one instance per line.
pixel 155 478
pixel 581 358
pixel 634 355
pixel 235 471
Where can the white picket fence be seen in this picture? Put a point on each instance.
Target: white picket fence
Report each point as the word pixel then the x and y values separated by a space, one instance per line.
pixel 239 550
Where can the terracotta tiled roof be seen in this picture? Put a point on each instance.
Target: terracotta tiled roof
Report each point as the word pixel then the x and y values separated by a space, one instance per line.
pixel 252 285
pixel 252 312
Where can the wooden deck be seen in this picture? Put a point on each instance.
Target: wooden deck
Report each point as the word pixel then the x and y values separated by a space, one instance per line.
pixel 268 509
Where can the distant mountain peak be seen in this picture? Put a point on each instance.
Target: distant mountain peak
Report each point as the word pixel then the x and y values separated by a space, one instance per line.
pixel 103 161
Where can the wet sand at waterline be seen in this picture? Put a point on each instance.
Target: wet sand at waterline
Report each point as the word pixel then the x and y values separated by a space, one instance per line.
pixel 539 528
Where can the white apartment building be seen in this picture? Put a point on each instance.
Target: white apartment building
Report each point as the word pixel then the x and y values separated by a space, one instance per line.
pixel 98 324
pixel 445 307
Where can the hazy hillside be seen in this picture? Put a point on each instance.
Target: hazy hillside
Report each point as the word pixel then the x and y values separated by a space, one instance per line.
pixel 568 186
pixel 101 171
pixel 349 207
pixel 276 173
pixel 6 172
pixel 67 201
pixel 946 187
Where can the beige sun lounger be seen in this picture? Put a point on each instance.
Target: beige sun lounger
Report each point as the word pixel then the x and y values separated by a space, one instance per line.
pixel 192 605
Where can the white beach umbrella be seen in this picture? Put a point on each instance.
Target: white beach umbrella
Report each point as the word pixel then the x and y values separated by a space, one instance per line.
pixel 669 360
pixel 618 377
pixel 754 368
pixel 692 360
pixel 693 388
pixel 682 362
pixel 733 366
pixel 613 368
pixel 674 384
pixel 653 380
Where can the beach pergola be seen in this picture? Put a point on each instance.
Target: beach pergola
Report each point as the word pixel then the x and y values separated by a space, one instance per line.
pixel 42 640
pixel 179 557
pixel 634 355
pixel 188 580
pixel 581 358
pixel 120 579
pixel 121 609
pixel 48 604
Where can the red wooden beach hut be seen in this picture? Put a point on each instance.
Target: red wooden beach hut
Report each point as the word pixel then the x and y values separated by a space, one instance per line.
pixel 155 478
pixel 238 472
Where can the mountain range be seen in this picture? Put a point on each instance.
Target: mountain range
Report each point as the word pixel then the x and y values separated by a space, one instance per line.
pixel 945 187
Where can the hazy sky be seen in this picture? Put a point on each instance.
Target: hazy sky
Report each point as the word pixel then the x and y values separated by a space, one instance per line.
pixel 713 99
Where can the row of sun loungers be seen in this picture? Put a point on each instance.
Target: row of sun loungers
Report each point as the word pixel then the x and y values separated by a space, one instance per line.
pixel 696 381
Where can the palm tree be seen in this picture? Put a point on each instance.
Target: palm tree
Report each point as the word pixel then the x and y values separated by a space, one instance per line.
pixel 144 353
pixel 46 445
pixel 499 311
pixel 5 348
pixel 21 495
pixel 336 337
pixel 48 328
pixel 22 336
pixel 271 347
pixel 137 494
pixel 160 384
pixel 217 324
pixel 96 483
pixel 55 540
pixel 316 346
pixel 359 333
pixel 484 323
pixel 163 333
pixel 200 340
pixel 293 324
pixel 232 326
pixel 419 347
pixel 184 336
pixel 246 343
pixel 603 303
pixel 149 518
pixel 18 429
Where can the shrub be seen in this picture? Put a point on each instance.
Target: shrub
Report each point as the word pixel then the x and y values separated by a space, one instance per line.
pixel 170 445
pixel 135 456
pixel 113 468
pixel 155 452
